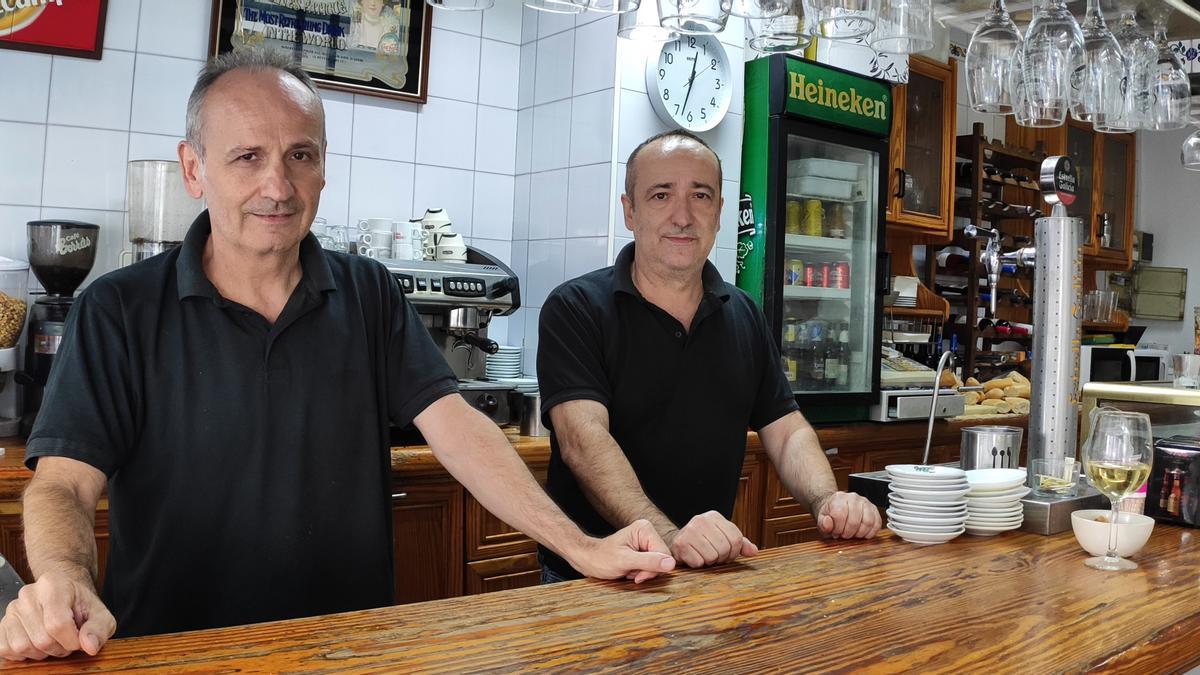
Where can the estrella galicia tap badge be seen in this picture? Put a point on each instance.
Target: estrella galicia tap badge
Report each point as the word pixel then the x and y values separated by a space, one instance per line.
pixel 1059 182
pixel 70 27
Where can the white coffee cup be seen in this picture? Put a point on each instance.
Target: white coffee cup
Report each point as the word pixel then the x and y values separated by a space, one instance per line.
pixel 435 219
pixel 369 224
pixel 366 250
pixel 402 248
pixel 451 248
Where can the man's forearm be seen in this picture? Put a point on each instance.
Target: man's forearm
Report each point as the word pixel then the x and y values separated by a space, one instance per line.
pixel 804 469
pixel 59 532
pixel 486 464
pixel 606 477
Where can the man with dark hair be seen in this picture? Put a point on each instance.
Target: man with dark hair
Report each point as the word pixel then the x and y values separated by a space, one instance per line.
pixel 651 371
pixel 234 396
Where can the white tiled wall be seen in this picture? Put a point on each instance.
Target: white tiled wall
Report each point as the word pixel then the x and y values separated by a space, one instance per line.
pixel 68 126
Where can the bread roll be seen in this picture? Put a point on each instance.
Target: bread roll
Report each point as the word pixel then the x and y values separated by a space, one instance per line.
pixel 980 410
pixel 1018 378
pixel 971 397
pixel 994 394
pixel 997 384
pixel 1019 405
pixel 948 379
pixel 998 403
pixel 972 382
pixel 1017 390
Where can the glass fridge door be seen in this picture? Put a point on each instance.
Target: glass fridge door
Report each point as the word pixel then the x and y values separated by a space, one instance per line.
pixel 829 266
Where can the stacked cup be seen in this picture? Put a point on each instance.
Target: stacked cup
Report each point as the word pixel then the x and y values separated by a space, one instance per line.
pixel 375 237
pixel 927 502
pixel 994 502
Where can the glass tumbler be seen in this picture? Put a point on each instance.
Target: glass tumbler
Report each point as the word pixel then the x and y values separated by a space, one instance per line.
pixel 904 27
pixel 783 33
pixel 694 17
pixel 841 19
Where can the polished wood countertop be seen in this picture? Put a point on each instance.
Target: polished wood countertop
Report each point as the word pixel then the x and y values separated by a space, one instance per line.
pixel 1014 603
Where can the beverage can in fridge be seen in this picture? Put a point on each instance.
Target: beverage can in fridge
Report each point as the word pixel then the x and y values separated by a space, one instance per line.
pixel 823 276
pixel 809 272
pixel 841 275
pixel 793 274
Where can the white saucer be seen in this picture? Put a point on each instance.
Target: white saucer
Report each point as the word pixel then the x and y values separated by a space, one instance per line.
pixel 924 538
pixel 931 495
pixel 989 530
pixel 995 479
pixel 924 472
pixel 902 511
pixel 933 486
pixel 917 521
pixel 925 505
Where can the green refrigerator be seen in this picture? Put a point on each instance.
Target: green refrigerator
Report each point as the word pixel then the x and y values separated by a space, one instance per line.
pixel 811 226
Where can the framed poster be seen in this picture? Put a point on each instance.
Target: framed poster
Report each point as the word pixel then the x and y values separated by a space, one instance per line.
pixel 378 47
pixel 68 28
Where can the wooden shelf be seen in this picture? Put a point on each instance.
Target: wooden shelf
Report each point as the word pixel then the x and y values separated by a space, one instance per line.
pixel 1120 325
pixel 915 312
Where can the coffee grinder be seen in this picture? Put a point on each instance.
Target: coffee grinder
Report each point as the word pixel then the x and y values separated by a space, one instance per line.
pixel 61 254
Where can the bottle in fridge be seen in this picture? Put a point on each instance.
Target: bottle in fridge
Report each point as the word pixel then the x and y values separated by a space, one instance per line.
pixel 810 241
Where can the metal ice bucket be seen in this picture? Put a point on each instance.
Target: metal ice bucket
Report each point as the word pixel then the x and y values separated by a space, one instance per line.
pixel 991 447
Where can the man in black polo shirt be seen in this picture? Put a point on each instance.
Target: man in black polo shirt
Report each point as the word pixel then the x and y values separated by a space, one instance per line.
pixel 234 396
pixel 652 369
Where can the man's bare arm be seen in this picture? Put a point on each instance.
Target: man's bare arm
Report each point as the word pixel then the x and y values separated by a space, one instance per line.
pixel 601 468
pixel 475 451
pixel 60 518
pixel 796 452
pixel 59 613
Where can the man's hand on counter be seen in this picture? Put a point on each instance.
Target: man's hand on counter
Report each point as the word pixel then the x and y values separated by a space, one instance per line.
pixel 634 552
pixel 709 539
pixel 846 515
pixel 55 616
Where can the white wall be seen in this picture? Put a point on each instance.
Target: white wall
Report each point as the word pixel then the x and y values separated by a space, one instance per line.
pixel 1168 204
pixel 68 126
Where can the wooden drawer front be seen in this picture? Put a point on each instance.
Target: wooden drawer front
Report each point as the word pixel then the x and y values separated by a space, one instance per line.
pixel 490 537
pixel 747 509
pixel 779 501
pixel 789 530
pixel 500 574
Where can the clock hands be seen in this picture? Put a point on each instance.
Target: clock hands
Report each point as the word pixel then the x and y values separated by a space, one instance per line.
pixel 691 81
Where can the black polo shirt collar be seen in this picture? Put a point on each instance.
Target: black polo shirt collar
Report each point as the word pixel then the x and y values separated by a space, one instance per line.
pixel 714 285
pixel 193 281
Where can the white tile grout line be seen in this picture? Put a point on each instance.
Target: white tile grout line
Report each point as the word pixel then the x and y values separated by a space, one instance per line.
pixel 128 141
pixel 614 160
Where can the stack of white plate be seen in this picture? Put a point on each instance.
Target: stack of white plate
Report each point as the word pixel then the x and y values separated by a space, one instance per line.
pixel 525 385
pixel 927 502
pixel 505 363
pixel 994 502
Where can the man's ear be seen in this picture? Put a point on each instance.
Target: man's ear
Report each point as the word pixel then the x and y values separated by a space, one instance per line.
pixel 193 168
pixel 627 209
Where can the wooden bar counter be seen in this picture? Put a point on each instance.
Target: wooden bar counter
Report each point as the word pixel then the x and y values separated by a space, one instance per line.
pixel 1013 603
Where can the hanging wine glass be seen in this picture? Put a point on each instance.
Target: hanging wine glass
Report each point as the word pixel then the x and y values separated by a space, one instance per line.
pixel 612 6
pixel 1096 87
pixel 461 5
pixel 694 17
pixel 557 6
pixel 1170 90
pixel 990 57
pixel 643 26
pixel 783 33
pixel 759 9
pixel 1021 112
pixel 1190 152
pixel 1052 50
pixel 1141 55
pixel 904 27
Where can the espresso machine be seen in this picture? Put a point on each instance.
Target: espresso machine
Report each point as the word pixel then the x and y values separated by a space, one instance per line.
pixel 456 302
pixel 61 254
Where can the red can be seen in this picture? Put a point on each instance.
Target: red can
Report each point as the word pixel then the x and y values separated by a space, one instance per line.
pixel 823 276
pixel 808 275
pixel 841 275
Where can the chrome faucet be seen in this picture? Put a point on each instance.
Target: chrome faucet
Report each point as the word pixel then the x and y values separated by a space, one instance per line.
pixel 947 357
pixel 994 261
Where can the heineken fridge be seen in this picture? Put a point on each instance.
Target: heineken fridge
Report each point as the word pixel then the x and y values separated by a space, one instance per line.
pixel 810 240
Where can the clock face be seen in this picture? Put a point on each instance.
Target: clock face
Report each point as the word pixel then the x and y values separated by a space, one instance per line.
pixel 689 84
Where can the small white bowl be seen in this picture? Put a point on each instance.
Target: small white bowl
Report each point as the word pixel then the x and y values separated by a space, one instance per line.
pixel 1133 530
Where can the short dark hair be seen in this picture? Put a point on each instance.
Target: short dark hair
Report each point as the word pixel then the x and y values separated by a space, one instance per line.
pixel 250 59
pixel 631 168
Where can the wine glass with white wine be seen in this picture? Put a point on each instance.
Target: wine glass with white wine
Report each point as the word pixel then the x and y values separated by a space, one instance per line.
pixel 1116 458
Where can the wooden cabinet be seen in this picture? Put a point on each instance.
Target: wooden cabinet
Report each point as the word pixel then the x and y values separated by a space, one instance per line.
pixel 427 541
pixel 922 152
pixel 786 521
pixel 748 508
pixel 1107 167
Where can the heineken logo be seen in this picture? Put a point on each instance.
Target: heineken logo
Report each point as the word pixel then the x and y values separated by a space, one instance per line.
pixel 847 100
